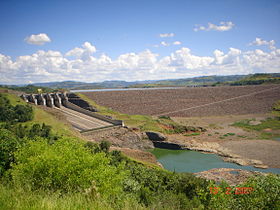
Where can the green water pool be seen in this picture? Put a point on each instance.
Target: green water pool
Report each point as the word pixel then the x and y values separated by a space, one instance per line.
pixel 192 161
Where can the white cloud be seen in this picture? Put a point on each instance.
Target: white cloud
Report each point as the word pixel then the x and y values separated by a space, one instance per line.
pixel 184 59
pixel 167 35
pixel 224 26
pixel 82 53
pixel 82 65
pixel 37 39
pixel 177 43
pixel 260 42
pixel 165 44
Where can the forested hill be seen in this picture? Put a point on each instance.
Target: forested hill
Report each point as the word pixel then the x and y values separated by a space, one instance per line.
pixel 258 79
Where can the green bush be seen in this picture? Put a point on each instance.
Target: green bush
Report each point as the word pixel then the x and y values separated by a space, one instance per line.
pixel 36 130
pixel 152 184
pixel 18 113
pixel 164 117
pixel 9 143
pixel 23 113
pixel 265 194
pixel 66 166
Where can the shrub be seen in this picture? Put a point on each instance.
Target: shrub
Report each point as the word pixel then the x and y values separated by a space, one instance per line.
pixel 265 194
pixel 105 146
pixel 18 113
pixel 9 143
pixel 38 130
pixel 66 166
pixel 164 117
pixel 23 113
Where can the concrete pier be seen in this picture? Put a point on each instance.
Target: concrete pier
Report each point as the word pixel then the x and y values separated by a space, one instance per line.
pixel 49 100
pixel 57 100
pixel 25 98
pixel 41 100
pixel 32 98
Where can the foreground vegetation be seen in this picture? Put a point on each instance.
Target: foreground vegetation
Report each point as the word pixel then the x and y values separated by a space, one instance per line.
pixel 43 170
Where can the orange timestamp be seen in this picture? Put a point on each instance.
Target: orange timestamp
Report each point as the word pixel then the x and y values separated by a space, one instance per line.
pixel 229 190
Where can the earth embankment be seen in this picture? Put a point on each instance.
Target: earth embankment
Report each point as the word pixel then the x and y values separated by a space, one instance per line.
pixel 191 102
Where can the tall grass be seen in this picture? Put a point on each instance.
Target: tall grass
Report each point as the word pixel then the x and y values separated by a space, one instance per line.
pixel 17 198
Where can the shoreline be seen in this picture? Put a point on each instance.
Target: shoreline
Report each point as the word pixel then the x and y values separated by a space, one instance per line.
pixel 216 148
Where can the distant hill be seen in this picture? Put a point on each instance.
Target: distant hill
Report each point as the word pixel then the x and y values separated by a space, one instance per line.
pixel 258 79
pixel 252 79
pixel 205 80
pixel 28 88
pixel 196 81
pixel 83 85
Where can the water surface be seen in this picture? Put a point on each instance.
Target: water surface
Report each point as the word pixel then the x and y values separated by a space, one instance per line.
pixel 192 161
pixel 124 89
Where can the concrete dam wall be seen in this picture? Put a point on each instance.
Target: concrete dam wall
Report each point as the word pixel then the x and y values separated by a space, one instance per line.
pixel 73 102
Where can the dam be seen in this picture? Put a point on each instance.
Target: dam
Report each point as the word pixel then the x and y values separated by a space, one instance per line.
pixel 78 112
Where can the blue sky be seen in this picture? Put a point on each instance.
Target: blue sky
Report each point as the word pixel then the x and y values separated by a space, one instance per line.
pixel 136 40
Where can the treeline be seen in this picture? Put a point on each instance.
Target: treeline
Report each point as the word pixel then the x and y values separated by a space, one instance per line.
pixel 257 82
pixel 29 88
pixel 18 113
pixel 36 165
pixel 257 79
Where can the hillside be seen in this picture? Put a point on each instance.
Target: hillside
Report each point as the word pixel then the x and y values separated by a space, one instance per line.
pixel 205 80
pixel 258 79
pixel 29 88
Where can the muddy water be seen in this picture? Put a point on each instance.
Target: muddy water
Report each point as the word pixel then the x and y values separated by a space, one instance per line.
pixel 192 161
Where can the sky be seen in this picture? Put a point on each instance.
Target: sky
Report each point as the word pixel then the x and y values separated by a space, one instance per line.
pixel 133 40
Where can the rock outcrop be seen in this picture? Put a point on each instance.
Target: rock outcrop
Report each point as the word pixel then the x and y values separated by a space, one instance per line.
pixel 120 137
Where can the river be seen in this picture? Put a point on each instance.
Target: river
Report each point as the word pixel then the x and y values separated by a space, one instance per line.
pixel 192 161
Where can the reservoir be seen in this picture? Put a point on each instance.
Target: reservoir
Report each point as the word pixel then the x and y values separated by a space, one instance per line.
pixel 192 161
pixel 124 89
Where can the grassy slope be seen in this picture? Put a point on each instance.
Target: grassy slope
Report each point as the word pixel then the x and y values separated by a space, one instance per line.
pixel 41 116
